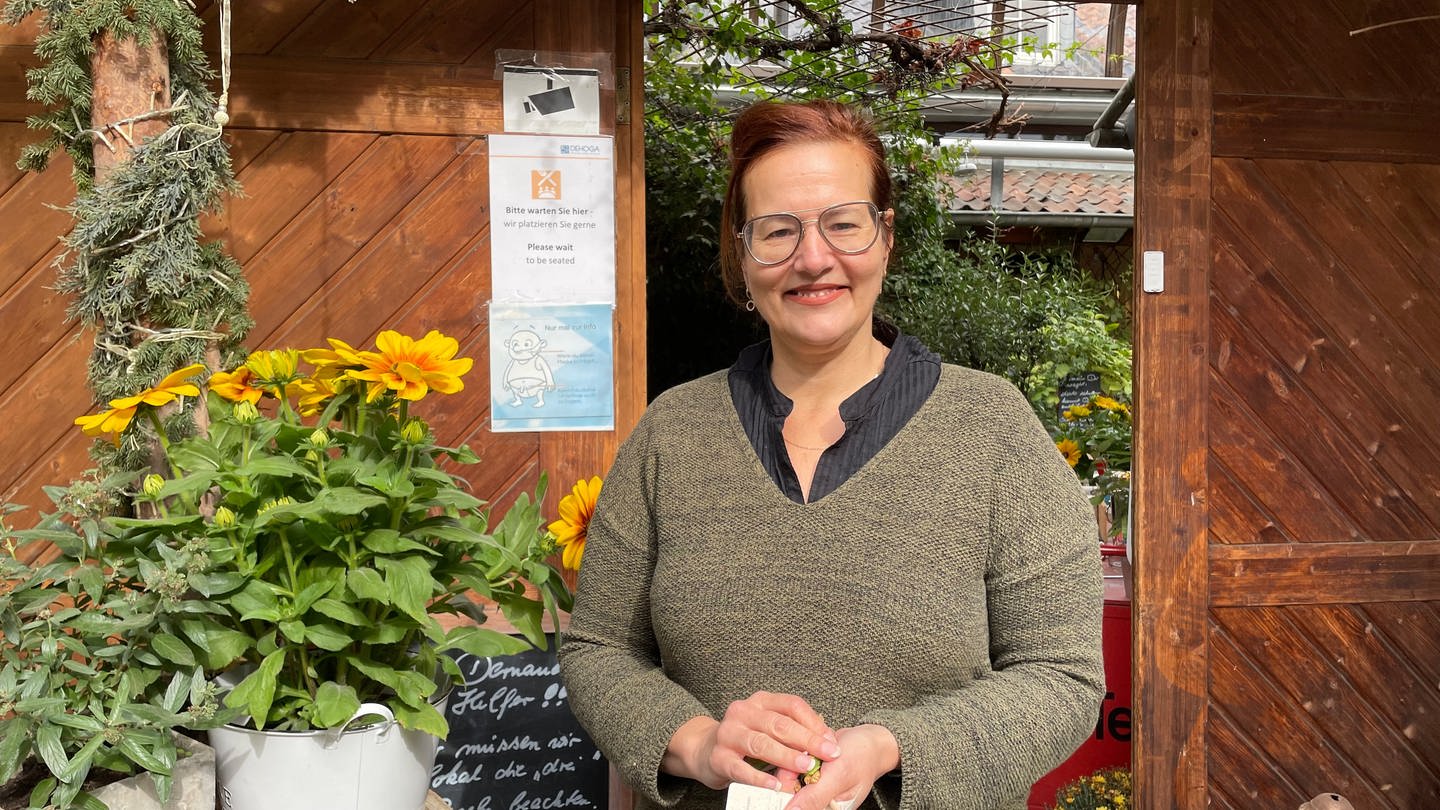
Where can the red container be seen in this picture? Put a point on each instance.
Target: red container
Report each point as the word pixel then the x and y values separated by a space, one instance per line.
pixel 1109 745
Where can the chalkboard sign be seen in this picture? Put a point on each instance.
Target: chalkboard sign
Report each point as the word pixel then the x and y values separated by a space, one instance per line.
pixel 514 745
pixel 1077 389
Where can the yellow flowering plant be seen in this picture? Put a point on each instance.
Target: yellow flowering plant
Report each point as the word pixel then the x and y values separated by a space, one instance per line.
pixel 1107 789
pixel 303 546
pixel 1096 441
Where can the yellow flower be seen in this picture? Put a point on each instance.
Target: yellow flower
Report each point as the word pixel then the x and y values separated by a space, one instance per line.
pixel 113 421
pixel 571 529
pixel 235 386
pixel 274 370
pixel 1076 412
pixel 333 362
pixel 1070 450
pixel 1102 401
pixel 411 367
pixel 118 417
pixel 314 393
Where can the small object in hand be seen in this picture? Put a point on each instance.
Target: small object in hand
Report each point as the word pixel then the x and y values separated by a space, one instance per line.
pixel 1328 801
pixel 812 776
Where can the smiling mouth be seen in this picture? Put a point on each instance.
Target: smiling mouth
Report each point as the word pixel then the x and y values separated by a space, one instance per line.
pixel 814 295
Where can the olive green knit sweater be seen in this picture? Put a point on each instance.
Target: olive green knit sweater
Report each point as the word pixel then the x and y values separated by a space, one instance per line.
pixel 949 591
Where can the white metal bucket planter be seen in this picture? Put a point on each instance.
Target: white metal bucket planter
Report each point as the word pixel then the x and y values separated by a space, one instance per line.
pixel 375 767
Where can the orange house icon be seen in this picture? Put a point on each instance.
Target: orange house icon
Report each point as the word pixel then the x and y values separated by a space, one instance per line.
pixel 544 184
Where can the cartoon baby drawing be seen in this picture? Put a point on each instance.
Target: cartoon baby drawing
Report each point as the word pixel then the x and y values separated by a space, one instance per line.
pixel 528 373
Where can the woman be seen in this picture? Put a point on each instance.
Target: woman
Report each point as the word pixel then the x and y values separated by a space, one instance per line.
pixel 840 552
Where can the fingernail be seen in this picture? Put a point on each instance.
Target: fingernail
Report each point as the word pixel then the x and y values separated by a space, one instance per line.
pixel 803 762
pixel 830 750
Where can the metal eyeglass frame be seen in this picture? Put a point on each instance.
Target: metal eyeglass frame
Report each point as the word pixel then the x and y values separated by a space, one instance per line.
pixel 748 228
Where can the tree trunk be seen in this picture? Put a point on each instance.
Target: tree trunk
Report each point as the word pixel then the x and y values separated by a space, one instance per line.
pixel 132 79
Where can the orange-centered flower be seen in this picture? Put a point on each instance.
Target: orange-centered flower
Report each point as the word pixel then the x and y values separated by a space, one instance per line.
pixel 236 386
pixel 121 411
pixel 411 367
pixel 570 530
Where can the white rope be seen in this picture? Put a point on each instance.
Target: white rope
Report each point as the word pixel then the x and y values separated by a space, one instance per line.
pixel 222 115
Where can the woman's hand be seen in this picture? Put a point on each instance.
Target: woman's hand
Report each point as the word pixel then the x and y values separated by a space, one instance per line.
pixel 867 753
pixel 781 730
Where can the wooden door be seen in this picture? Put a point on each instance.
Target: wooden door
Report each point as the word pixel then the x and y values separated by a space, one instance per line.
pixel 1288 456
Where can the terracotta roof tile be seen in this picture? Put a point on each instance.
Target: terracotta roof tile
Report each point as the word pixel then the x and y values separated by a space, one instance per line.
pixel 1056 191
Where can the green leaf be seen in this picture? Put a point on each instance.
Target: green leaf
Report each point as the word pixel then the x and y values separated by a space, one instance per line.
pixel 483 642
pixel 341 612
pixel 410 583
pixel 80 763
pixel 257 601
pixel 219 583
pixel 347 500
pixel 426 718
pixel 367 583
pixel 50 749
pixel 327 637
pixel 40 796
pixel 334 704
pixel 14 745
pixel 525 614
pixel 173 649
pixel 383 634
pixel 142 756
pixel 293 630
pixel 219 646
pixel 83 722
pixel 389 541
pixel 257 691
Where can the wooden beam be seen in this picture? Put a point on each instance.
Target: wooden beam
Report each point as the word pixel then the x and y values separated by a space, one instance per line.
pixel 1172 216
pixel 1269 126
pixel 1324 573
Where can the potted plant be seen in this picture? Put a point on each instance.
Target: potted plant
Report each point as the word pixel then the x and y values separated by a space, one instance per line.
pixel 83 708
pixel 311 543
pixel 1096 440
pixel 1106 789
pixel 90 692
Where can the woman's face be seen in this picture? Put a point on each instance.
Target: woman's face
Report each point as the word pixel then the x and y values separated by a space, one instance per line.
pixel 820 299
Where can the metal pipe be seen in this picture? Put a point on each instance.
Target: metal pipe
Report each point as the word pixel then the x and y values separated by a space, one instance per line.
pixel 1042 219
pixel 1117 105
pixel 1041 150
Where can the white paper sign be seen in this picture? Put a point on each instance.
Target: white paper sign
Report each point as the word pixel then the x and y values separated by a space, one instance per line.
pixel 554 100
pixel 552 218
pixel 551 367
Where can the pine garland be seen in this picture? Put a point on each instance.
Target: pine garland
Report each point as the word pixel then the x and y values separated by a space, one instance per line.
pixel 141 277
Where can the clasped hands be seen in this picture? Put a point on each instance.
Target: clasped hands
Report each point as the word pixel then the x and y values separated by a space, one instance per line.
pixel 785 732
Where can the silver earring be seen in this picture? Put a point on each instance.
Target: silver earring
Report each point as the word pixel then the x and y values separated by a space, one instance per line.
pixel 749 302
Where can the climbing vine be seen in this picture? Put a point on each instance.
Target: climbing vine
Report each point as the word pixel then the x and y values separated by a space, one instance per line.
pixel 141 274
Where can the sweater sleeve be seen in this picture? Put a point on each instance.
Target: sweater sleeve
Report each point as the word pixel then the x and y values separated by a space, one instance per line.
pixel 983 745
pixel 608 660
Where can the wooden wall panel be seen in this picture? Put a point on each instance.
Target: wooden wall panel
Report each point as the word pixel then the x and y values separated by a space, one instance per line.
pixel 359 138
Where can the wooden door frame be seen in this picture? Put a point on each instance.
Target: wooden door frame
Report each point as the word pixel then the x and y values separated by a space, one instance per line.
pixel 1173 155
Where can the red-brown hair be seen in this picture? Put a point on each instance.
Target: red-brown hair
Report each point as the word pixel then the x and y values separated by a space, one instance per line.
pixel 768 126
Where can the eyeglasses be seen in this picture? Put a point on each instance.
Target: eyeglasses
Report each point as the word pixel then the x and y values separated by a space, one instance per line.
pixel 848 227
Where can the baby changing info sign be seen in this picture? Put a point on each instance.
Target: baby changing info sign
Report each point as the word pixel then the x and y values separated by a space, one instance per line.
pixel 552 218
pixel 550 367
